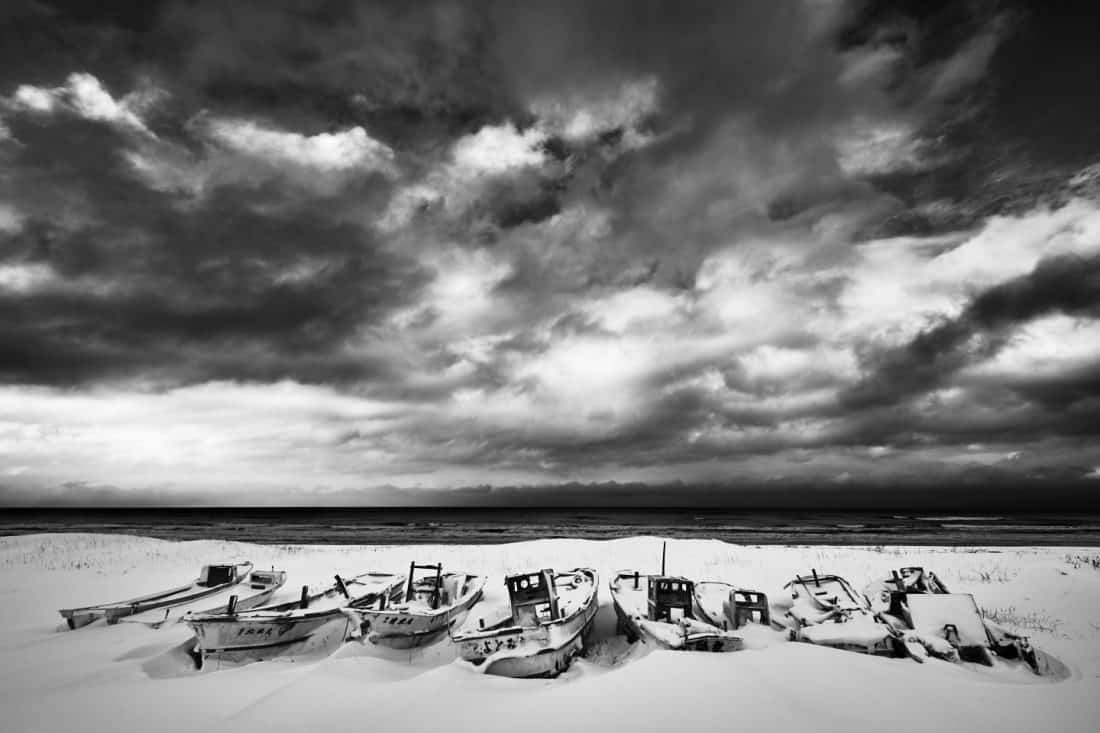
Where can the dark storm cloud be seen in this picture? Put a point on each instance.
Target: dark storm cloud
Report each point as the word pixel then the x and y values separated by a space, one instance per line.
pixel 1068 284
pixel 222 288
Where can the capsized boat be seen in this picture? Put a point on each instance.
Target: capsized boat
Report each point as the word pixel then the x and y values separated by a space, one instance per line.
pixel 827 610
pixel 430 605
pixel 660 610
pixel 545 625
pixel 317 621
pixel 212 580
pixel 949 625
pixel 254 591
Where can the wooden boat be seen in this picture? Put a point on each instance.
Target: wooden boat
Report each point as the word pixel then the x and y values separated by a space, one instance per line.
pixel 431 604
pixel 213 579
pixel 729 607
pixel 660 610
pixel 256 590
pixel 826 610
pixel 548 619
pixel 950 626
pixel 318 621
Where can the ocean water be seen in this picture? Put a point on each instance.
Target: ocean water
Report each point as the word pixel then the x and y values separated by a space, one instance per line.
pixel 492 526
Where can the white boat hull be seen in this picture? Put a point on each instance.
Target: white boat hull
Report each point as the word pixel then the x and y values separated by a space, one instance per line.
pixel 257 639
pixel 409 629
pixel 545 650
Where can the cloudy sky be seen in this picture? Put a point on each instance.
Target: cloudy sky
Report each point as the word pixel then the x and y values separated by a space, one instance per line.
pixel 343 252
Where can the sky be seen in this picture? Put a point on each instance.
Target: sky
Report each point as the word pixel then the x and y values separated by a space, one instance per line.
pixel 463 253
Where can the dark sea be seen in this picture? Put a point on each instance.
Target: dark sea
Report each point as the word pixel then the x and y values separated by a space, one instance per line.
pixel 354 526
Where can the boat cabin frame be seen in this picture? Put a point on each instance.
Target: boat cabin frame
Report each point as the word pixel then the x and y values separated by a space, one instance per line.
pixel 437 588
pixel 533 597
pixel 667 594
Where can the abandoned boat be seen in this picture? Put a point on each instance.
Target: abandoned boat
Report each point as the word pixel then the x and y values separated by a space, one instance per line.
pixel 262 585
pixel 545 625
pixel 729 607
pixel 430 605
pixel 316 622
pixel 949 625
pixel 213 579
pixel 660 610
pixel 827 610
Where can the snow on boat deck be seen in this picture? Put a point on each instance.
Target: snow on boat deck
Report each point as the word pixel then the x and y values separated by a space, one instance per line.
pixel 130 677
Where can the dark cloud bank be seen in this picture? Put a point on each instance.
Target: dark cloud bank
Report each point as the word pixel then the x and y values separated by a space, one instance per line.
pixel 546 244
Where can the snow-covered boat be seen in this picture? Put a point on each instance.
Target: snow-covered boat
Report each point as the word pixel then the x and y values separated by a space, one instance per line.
pixel 431 604
pixel 544 626
pixel 827 610
pixel 730 607
pixel 660 610
pixel 317 622
pixel 949 625
pixel 256 590
pixel 212 580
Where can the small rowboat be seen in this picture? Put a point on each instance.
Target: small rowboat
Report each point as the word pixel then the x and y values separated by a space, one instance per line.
pixel 827 610
pixel 212 580
pixel 317 622
pixel 431 605
pixel 660 610
pixel 262 585
pixel 548 619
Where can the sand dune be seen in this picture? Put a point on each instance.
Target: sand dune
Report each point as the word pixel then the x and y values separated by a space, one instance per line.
pixel 130 677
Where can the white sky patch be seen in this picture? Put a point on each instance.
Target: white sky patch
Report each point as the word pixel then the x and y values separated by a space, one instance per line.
pixel 1094 473
pixel 214 434
pixel 637 307
pixel 498 149
pixel 1046 347
pixel 876 148
pixel 22 279
pixel 85 96
pixel 345 151
pixel 11 219
pixel 580 117
pixel 461 295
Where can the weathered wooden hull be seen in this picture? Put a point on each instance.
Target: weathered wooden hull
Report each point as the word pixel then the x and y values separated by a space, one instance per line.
pixel 716 641
pixel 545 663
pixel 113 612
pixel 254 637
pixel 410 629
pixel 545 650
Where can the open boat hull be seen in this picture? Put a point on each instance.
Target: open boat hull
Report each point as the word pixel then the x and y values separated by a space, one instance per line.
pixel 404 627
pixel 699 635
pixel 545 650
pixel 287 630
pixel 265 582
pixel 113 612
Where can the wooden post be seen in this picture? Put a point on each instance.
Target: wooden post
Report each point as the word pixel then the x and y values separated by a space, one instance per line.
pixel 304 602
pixel 438 585
pixel 635 580
pixel 816 581
pixel 409 588
pixel 232 605
pixel 664 547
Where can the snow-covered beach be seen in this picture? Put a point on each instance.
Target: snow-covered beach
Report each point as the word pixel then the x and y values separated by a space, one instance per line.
pixel 130 677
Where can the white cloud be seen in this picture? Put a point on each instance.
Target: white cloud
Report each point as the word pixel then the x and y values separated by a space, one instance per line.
pixel 341 152
pixel 25 278
pixel 11 219
pixel 581 116
pixel 498 149
pixel 84 95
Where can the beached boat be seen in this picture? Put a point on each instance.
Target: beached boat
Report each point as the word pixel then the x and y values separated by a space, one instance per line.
pixel 254 591
pixel 949 625
pixel 546 624
pixel 212 580
pixel 827 610
pixel 431 604
pixel 660 610
pixel 316 622
pixel 730 607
